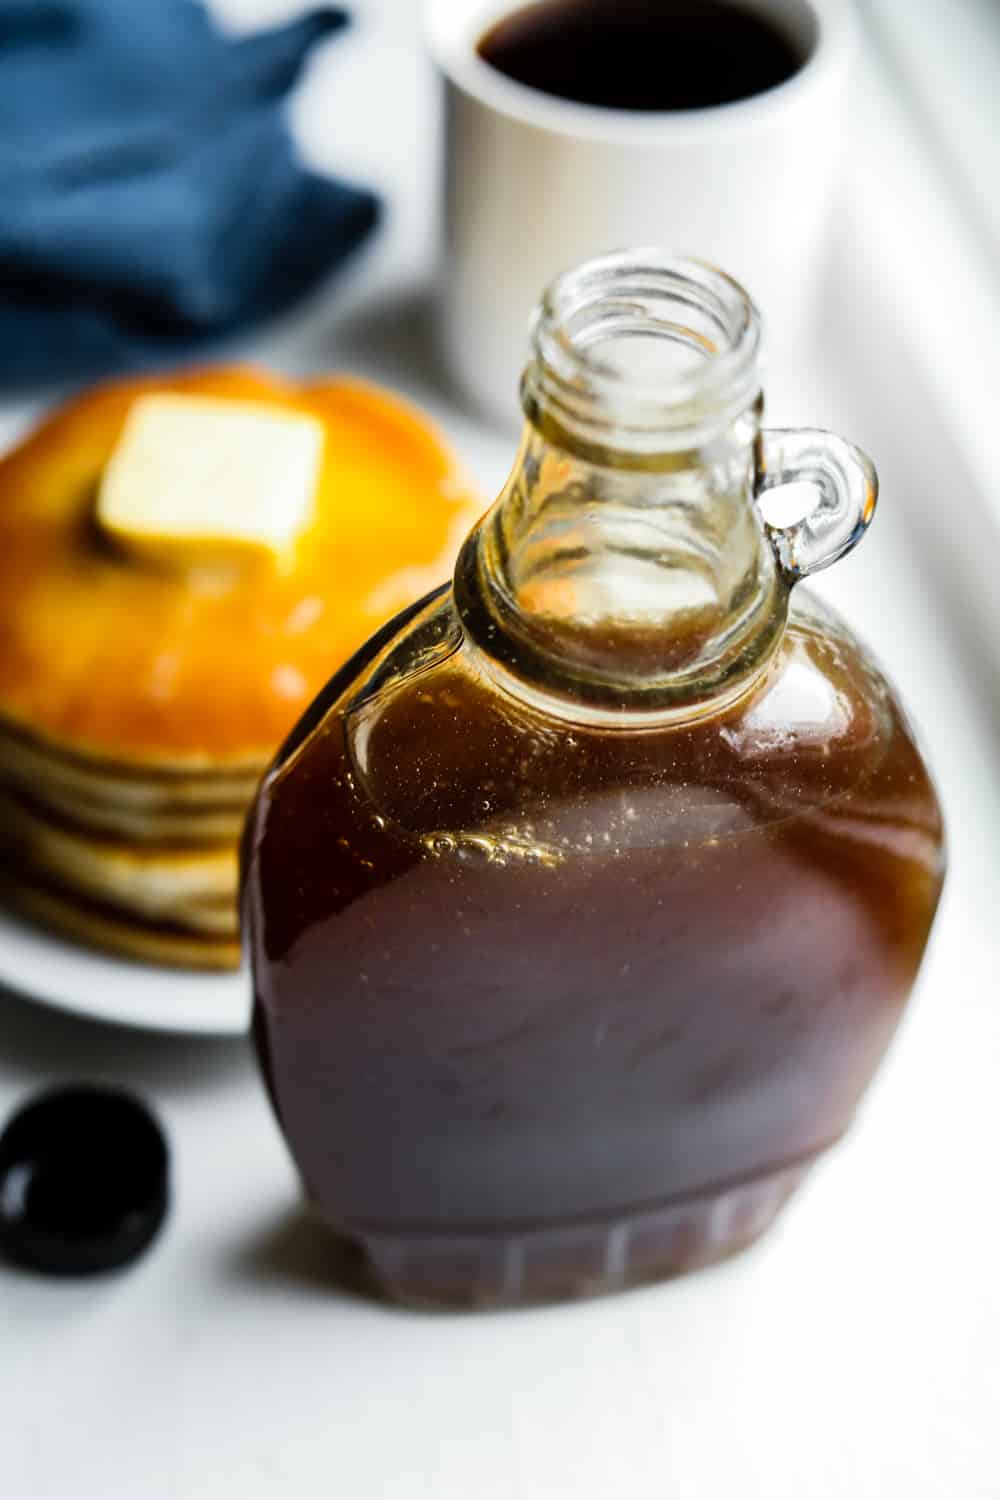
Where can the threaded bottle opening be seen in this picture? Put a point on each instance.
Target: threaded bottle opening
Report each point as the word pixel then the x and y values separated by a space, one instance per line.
pixel 642 352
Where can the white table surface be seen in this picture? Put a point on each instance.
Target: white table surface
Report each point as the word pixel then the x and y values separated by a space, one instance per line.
pixel 854 1355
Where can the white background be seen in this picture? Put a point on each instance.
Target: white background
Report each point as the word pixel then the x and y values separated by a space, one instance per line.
pixel 854 1354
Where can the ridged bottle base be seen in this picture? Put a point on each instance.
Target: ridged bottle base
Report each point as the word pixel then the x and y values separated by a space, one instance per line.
pixel 485 1268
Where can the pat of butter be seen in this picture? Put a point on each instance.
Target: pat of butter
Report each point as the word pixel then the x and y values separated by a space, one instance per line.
pixel 197 475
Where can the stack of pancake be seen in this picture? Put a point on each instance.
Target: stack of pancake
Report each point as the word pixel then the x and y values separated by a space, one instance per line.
pixel 144 864
pixel 140 702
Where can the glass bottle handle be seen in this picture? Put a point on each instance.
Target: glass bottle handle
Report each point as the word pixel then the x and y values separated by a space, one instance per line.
pixel 846 485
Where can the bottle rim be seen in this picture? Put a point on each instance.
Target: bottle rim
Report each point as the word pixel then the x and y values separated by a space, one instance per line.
pixel 649 294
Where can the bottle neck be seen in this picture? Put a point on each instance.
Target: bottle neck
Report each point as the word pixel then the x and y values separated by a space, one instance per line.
pixel 648 590
pixel 624 567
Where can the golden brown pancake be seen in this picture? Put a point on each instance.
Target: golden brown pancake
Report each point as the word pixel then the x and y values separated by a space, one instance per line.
pixel 103 655
pixel 192 888
pixel 98 927
pixel 141 700
pixel 111 799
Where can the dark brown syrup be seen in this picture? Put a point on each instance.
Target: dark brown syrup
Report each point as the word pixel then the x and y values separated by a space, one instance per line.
pixel 516 972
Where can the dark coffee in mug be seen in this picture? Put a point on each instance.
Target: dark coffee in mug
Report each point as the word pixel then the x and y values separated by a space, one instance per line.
pixel 643 55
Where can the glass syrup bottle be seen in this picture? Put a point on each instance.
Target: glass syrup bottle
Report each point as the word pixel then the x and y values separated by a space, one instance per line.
pixel 585 901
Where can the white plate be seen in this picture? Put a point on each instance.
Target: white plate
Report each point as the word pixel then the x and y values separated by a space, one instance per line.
pixel 44 968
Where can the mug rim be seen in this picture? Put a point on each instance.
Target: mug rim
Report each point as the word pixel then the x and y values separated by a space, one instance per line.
pixel 452 28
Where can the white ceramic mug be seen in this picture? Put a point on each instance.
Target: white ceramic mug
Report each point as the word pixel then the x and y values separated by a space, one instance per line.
pixel 535 183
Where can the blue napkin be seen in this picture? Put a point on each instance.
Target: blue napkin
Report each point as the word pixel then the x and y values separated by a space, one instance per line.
pixel 150 193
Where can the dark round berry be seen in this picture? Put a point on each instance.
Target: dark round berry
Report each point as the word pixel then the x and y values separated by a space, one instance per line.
pixel 83 1181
